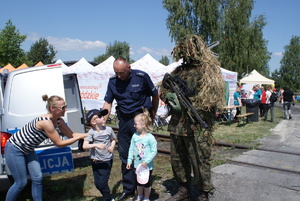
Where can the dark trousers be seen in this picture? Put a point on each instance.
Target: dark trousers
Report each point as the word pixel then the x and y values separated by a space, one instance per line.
pixel 267 108
pixel 126 130
pixel 101 171
pixel 191 154
pixel 262 109
pixel 238 112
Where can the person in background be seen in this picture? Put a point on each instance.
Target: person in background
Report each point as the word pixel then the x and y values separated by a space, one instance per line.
pixel 133 90
pixel 143 149
pixel 257 92
pixel 288 99
pixel 20 155
pixel 280 95
pixel 251 93
pixel 101 141
pixel 269 105
pixel 263 99
pixel 237 101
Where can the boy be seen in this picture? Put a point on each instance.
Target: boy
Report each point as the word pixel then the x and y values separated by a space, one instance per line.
pixel 101 141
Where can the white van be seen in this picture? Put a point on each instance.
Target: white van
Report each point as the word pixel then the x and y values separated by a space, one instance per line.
pixel 21 101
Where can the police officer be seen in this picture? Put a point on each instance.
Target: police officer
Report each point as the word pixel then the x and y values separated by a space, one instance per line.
pixel 132 90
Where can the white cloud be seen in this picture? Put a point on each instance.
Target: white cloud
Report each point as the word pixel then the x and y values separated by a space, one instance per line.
pixel 33 36
pixel 145 50
pixel 278 54
pixel 157 52
pixel 69 44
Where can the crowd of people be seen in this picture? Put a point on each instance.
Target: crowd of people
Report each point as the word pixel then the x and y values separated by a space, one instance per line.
pixel 268 96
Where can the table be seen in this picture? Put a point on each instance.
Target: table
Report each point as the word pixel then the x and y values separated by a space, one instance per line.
pixel 228 110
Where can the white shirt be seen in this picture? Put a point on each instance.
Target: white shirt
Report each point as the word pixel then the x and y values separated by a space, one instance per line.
pixel 268 94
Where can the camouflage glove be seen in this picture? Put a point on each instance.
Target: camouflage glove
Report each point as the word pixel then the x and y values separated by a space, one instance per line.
pixel 173 102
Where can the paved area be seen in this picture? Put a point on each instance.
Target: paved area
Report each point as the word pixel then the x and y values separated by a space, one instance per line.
pixel 260 175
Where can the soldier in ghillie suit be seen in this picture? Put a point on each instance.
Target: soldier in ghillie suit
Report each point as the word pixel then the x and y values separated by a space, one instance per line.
pixel 190 140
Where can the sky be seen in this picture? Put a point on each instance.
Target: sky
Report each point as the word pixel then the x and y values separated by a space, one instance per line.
pixel 80 29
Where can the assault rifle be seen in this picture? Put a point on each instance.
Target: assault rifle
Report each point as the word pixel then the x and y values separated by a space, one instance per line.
pixel 176 85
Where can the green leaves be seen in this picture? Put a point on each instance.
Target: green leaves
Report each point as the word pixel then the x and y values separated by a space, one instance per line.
pixel 42 51
pixel 117 49
pixel 289 72
pixel 10 45
pixel 242 47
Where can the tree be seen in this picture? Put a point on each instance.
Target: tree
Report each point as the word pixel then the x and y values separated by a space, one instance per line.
pixel 242 47
pixel 200 17
pixel 42 51
pixel 10 45
pixel 164 60
pixel 257 54
pixel 289 72
pixel 117 49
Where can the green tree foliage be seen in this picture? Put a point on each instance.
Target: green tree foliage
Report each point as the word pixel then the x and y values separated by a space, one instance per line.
pixel 10 45
pixel 117 49
pixel 276 77
pixel 199 17
pixel 164 60
pixel 242 47
pixel 289 72
pixel 42 51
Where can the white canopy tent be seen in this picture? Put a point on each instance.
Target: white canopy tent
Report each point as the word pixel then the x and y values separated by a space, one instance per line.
pixel 256 78
pixel 65 68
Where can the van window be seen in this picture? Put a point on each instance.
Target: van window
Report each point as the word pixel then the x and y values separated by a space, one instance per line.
pixel 27 88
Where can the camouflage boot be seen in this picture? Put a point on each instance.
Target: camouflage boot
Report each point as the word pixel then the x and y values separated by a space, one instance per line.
pixel 182 194
pixel 203 197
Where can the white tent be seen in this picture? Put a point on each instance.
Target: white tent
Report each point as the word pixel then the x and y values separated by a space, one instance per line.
pixel 81 66
pixel 106 67
pixel 255 78
pixel 65 68
pixel 155 69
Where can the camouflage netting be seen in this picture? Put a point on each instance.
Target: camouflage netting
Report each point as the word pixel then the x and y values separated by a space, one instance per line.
pixel 202 69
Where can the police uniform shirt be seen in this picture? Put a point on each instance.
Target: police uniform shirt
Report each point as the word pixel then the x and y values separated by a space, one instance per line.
pixel 131 94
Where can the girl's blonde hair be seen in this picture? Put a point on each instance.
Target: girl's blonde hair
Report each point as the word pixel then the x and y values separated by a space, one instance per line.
pixel 146 119
pixel 51 102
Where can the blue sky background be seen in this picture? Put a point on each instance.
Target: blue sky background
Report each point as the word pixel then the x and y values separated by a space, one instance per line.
pixel 83 28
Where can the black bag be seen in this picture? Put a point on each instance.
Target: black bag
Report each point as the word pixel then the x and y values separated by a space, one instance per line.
pixel 273 97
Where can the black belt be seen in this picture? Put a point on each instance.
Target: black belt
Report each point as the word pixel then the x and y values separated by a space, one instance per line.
pixel 130 115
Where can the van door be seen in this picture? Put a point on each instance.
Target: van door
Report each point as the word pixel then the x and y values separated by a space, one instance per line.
pixel 74 112
pixel 23 94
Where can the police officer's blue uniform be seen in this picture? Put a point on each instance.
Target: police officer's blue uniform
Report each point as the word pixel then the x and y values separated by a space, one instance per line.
pixel 131 96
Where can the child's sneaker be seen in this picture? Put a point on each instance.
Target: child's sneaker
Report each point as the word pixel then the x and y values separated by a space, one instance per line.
pixel 139 198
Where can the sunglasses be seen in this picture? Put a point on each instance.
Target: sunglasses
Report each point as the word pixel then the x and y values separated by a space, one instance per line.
pixel 61 108
pixel 99 115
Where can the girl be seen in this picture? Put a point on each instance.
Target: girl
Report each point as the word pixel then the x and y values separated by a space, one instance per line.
pixel 142 150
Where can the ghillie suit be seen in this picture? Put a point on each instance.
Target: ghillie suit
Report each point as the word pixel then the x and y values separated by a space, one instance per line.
pixel 190 142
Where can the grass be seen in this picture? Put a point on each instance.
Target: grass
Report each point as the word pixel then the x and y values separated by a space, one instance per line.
pixel 79 186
